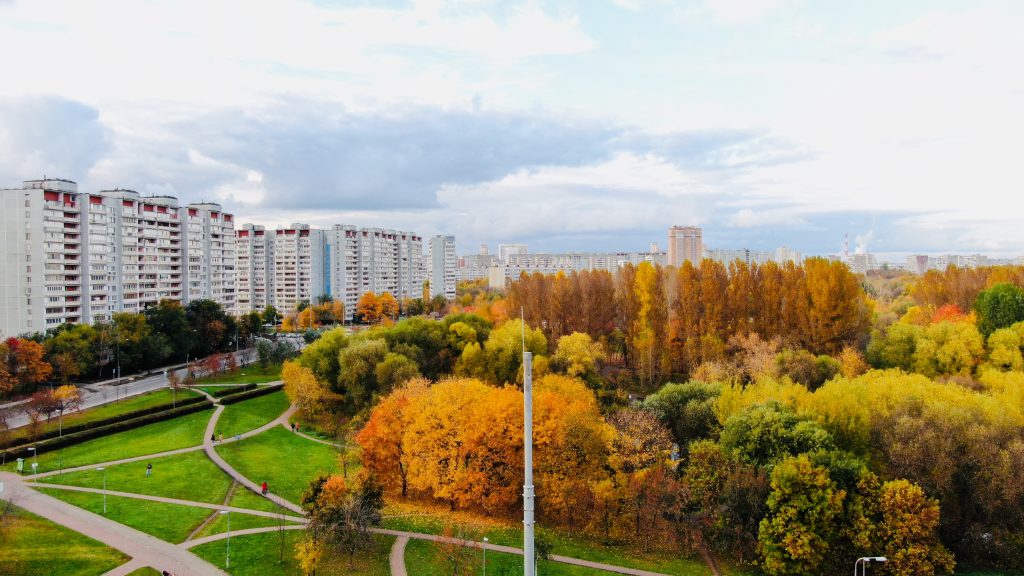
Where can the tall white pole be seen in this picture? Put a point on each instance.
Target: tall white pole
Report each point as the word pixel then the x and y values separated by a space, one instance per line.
pixel 528 554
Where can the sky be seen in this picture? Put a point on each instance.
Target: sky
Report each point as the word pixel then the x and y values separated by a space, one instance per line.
pixel 573 125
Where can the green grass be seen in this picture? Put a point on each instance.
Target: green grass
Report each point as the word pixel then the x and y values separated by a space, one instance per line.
pixel 422 559
pixel 245 498
pixel 258 555
pixel 567 545
pixel 239 522
pixel 189 476
pixel 181 432
pixel 147 571
pixel 286 461
pixel 29 544
pixel 251 414
pixel 253 374
pixel 109 410
pixel 169 522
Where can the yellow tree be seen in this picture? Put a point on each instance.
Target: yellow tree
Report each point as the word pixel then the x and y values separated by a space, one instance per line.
pixel 303 390
pixel 648 328
pixel 578 354
pixel 66 398
pixel 338 311
pixel 369 308
pixel 384 453
pixel 388 306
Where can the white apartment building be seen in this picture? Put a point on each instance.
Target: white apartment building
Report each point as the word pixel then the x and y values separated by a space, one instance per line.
pixel 299 266
pixel 442 266
pixel 744 255
pixel 209 251
pixel 506 250
pixel 374 260
pixel 254 261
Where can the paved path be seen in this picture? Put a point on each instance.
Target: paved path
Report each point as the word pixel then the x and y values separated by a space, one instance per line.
pixel 111 463
pixel 165 500
pixel 246 532
pixel 208 445
pixel 308 437
pixel 397 557
pixel 142 547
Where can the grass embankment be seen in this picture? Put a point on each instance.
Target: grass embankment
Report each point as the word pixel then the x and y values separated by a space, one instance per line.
pixel 422 559
pixel 109 410
pixel 147 571
pixel 251 414
pixel 286 461
pixel 189 476
pixel 169 522
pixel 252 374
pixel 260 554
pixel 34 546
pixel 432 520
pixel 171 434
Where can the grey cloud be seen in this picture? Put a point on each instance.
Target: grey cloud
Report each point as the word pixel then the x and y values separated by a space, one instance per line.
pixel 48 135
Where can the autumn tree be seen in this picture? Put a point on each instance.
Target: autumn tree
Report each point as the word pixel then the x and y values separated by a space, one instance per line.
pixel 687 410
pixel 66 398
pixel 504 350
pixel 383 438
pixel 340 517
pixel 388 306
pixel 22 366
pixel 578 355
pixel 908 531
pixel 369 309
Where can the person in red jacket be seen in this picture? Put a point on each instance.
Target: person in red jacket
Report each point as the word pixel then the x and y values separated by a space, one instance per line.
pixel 264 487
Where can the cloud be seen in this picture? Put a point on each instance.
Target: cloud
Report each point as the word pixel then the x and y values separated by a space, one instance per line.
pixel 48 135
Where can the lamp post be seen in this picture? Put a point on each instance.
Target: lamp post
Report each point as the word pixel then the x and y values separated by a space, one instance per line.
pixel 227 550
pixel 485 554
pixel 32 449
pixel 863 563
pixel 104 470
pixel 529 568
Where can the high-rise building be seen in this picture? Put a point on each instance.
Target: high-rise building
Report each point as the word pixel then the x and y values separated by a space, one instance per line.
pixel 684 243
pixel 918 263
pixel 254 250
pixel 299 266
pixel 506 250
pixel 783 255
pixel 744 255
pixel 208 249
pixel 442 266
pixel 373 260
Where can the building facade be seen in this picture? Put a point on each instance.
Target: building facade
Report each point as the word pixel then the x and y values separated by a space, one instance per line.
pixel 685 243
pixel 209 251
pixel 299 266
pixel 443 263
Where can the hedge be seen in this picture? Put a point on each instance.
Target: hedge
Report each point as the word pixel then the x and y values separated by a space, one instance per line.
pixel 17 441
pixel 92 433
pixel 261 391
pixel 233 390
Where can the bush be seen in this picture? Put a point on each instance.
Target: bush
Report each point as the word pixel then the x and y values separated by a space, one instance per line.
pixel 261 391
pixel 19 440
pixel 233 390
pixel 92 433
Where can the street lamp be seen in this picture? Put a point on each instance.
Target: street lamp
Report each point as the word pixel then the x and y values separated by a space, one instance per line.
pixel 32 449
pixel 863 563
pixel 227 551
pixel 485 554
pixel 104 470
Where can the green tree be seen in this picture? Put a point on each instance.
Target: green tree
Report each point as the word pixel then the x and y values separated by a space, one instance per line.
pixel 688 410
pixel 908 531
pixel 764 434
pixel 357 376
pixel 70 350
pixel 394 371
pixel 795 537
pixel 271 316
pixel 213 329
pixel 999 307
pixel 168 319
pixel 504 350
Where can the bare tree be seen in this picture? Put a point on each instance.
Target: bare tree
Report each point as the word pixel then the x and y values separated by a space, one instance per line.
pixel 456 549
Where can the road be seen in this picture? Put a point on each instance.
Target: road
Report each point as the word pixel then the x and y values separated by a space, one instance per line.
pixel 99 393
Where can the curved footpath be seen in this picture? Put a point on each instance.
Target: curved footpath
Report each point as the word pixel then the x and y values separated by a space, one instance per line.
pixel 146 550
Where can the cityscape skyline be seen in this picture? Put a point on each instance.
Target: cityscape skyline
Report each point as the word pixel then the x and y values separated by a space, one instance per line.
pixel 603 119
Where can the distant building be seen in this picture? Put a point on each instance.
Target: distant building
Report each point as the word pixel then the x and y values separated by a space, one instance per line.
pixel 299 265
pixel 442 262
pixel 783 255
pixel 684 243
pixel 918 263
pixel 208 250
pixel 254 255
pixel 862 263
pixel 506 250
pixel 743 255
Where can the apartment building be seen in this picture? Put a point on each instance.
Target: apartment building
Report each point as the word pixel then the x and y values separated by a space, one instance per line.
pixel 685 243
pixel 443 262
pixel 374 260
pixel 254 261
pixel 209 251
pixel 299 267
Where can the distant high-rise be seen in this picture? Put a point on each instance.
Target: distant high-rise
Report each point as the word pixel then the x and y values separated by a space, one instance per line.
pixel 506 250
pixel 684 243
pixel 442 266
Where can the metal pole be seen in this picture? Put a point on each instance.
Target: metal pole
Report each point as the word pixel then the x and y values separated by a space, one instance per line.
pixel 528 554
pixel 227 559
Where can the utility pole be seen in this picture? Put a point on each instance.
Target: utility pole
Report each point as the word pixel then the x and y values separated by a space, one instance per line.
pixel 528 555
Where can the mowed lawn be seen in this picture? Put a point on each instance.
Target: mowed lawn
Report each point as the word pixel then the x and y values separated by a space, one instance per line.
pixel 286 461
pixel 423 558
pixel 110 410
pixel 266 554
pixel 181 432
pixel 251 374
pixel 251 414
pixel 189 476
pixel 34 546
pixel 169 522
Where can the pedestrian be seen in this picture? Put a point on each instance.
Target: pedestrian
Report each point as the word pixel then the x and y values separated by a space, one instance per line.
pixel 222 437
pixel 213 438
pixel 264 487
pixel 294 427
pixel 149 470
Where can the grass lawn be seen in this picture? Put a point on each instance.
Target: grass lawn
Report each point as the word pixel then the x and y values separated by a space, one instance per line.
pixel 251 414
pixel 286 461
pixel 422 559
pixel 147 571
pixel 259 555
pixel 30 543
pixel 251 374
pixel 189 476
pixel 240 522
pixel 181 432
pixel 416 518
pixel 169 522
pixel 245 498
pixel 130 404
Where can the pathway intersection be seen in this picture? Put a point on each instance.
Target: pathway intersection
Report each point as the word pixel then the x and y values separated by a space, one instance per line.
pixel 146 550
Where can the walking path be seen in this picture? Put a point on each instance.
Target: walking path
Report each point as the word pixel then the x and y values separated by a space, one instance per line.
pixel 397 557
pixel 142 547
pixel 313 438
pixel 245 532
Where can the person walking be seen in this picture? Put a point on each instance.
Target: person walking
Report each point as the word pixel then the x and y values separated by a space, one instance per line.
pixel 264 488
pixel 222 437
pixel 149 470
